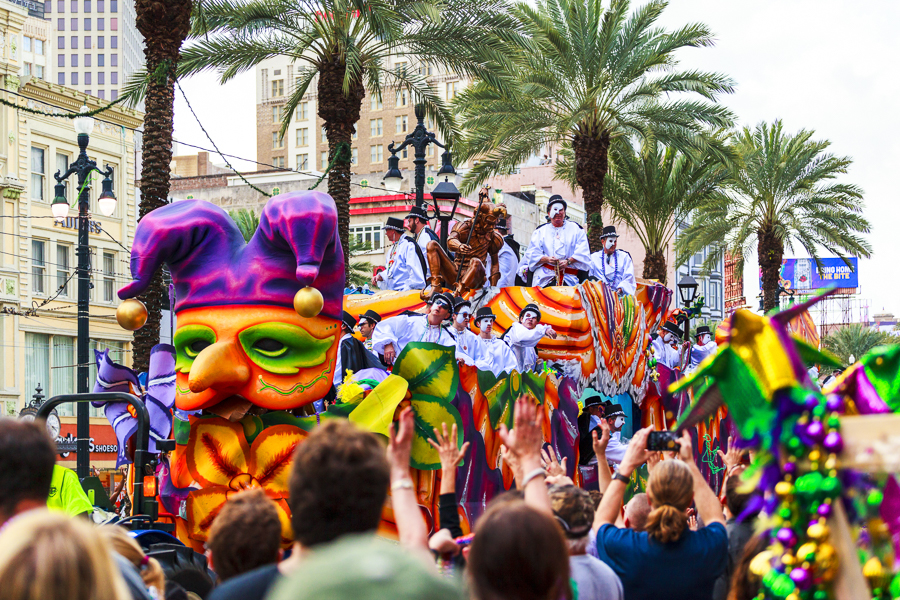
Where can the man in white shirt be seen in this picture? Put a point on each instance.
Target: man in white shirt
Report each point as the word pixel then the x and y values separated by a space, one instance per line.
pixel 367 322
pixel 494 355
pixel 392 334
pixel 352 355
pixel 612 266
pixel 417 224
pixel 524 336
pixel 667 345
pixel 615 416
pixel 509 258
pixel 405 265
pixel 467 345
pixel 705 346
pixel 558 250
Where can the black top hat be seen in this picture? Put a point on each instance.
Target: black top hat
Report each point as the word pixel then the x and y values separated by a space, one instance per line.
pixel 673 328
pixel 530 306
pixel 701 330
pixel 348 320
pixel 443 299
pixel 417 212
pixel 556 199
pixel 593 400
pixel 613 410
pixel 484 312
pixel 501 225
pixel 370 315
pixel 609 231
pixel 459 302
pixel 395 224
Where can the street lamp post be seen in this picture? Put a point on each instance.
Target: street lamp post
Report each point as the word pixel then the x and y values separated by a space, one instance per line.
pixel 687 289
pixel 82 168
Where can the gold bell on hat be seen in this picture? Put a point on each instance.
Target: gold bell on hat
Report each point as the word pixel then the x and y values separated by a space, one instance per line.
pixel 131 314
pixel 309 302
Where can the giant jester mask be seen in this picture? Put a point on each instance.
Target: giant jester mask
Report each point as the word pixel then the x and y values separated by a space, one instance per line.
pixel 238 338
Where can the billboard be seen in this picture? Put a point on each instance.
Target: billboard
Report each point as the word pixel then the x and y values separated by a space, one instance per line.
pixel 802 274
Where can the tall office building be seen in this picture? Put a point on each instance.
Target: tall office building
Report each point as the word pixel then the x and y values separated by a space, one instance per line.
pixel 97 45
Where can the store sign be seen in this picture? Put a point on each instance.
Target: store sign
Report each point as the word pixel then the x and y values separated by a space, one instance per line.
pixel 803 274
pixel 68 444
pixel 101 444
pixel 72 223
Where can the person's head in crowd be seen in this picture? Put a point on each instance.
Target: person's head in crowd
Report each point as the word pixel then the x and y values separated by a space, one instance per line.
pixel 149 568
pixel 462 312
pixel 744 584
pixel 416 220
pixel 50 556
pixel 338 484
pixel 610 239
pixel 736 499
pixel 518 553
pixel 245 535
pixel 670 490
pixel 574 510
pixel 530 316
pixel 484 320
pixel 348 323
pixel 367 322
pixel 596 497
pixel 556 210
pixel 27 456
pixel 441 308
pixel 615 416
pixel 394 229
pixel 636 512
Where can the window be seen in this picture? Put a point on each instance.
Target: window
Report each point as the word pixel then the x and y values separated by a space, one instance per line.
pixel 354 135
pixel 38 267
pixel 62 373
pixel 402 98
pixel 303 162
pixel 60 24
pixel 61 60
pixel 377 103
pixel 303 137
pixel 101 6
pixel 425 70
pixel 452 89
pixel 323 159
pixel 73 6
pixel 48 5
pixel 114 94
pixel 87 42
pixel 114 6
pixel 114 78
pixel 276 72
pixel 87 60
pixel 367 234
pixel 276 114
pixel 60 42
pixel 74 78
pixel 39 47
pixel 73 42
pixel 101 59
pixel 354 156
pixel 277 140
pixel 377 153
pixel 88 92
pixel 87 79
pixel 375 127
pixel 62 268
pixel 113 41
pixel 62 165
pixel 401 123
pixel 109 273
pixel 405 153
pixel 87 24
pixel 278 88
pixel 101 24
pixel 73 24
pixel 60 6
pixel 74 61
pixel 101 78
pixel 101 94
pixel 400 67
pixel 114 24
pixel 26 43
pixel 37 364
pixel 38 171
pixel 303 111
pixel 429 151
pixel 26 68
pixel 39 71
pixel 278 162
pixel 87 6
pixel 324 135
pixel 61 78
pixel 100 41
pixel 114 60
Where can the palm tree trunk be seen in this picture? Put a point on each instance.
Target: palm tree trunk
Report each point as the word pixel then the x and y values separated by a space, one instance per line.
pixel 164 25
pixel 655 266
pixel 770 251
pixel 591 166
pixel 340 113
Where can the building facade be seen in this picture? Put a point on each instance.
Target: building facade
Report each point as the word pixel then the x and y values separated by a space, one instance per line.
pixel 35 49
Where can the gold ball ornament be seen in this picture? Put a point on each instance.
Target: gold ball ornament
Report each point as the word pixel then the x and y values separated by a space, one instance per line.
pixel 818 532
pixel 783 489
pixel 826 561
pixel 131 314
pixel 761 563
pixel 309 302
pixel 873 571
pixel 807 549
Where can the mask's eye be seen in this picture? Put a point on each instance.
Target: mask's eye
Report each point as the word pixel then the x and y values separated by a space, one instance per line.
pixel 283 348
pixel 190 341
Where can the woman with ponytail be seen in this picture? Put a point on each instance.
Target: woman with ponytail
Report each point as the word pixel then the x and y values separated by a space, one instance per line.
pixel 151 571
pixel 667 560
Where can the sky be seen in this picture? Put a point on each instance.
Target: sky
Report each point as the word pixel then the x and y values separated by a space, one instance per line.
pixel 813 64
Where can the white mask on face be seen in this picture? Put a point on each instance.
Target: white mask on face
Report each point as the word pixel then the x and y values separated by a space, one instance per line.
pixel 483 324
pixel 610 242
pixel 529 315
pixel 554 210
pixel 667 338
pixel 704 339
pixel 461 317
pixel 619 422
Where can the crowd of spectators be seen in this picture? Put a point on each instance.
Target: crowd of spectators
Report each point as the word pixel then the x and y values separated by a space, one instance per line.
pixel 545 540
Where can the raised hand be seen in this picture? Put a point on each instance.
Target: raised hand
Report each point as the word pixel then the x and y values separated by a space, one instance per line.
pixel 446 445
pixel 525 438
pixel 389 354
pixel 601 441
pixel 400 443
pixel 732 458
pixel 551 464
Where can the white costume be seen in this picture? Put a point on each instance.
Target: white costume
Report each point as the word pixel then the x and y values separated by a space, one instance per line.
pixel 403 329
pixel 424 236
pixel 568 241
pixel 338 370
pixel 700 353
pixel 509 264
pixel 615 450
pixel 522 342
pixel 615 270
pixel 404 270
pixel 467 346
pixel 495 356
pixel 665 354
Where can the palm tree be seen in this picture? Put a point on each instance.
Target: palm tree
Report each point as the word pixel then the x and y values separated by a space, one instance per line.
pixel 782 193
pixel 246 220
pixel 653 190
pixel 855 340
pixel 346 45
pixel 164 24
pixel 586 79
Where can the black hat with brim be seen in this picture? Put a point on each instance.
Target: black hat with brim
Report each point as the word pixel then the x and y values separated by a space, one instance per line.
pixel 556 199
pixel 445 300
pixel 395 224
pixel 501 225
pixel 417 212
pixel 614 410
pixel 348 320
pixel 609 231
pixel 673 329
pixel 460 302
pixel 594 399
pixel 701 330
pixel 371 316
pixel 530 306
pixel 484 312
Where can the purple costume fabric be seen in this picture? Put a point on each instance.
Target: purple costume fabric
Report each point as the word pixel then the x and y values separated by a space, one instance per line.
pixel 295 246
pixel 159 396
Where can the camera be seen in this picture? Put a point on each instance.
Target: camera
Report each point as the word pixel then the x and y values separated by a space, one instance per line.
pixel 663 441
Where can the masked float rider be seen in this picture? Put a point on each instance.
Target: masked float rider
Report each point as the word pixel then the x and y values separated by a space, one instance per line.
pixel 352 354
pixel 467 345
pixel 705 346
pixel 588 421
pixel 509 257
pixel 558 249
pixel 524 336
pixel 615 416
pixel 417 224
pixel 612 266
pixel 494 355
pixel 405 264
pixel 392 334
pixel 667 345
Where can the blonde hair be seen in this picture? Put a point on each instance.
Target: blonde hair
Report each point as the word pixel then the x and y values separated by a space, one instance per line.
pixel 671 490
pixel 49 556
pixel 149 568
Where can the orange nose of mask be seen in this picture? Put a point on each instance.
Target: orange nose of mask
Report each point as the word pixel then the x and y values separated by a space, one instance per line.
pixel 220 366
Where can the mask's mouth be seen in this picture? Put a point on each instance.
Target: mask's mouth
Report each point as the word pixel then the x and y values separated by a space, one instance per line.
pixel 233 408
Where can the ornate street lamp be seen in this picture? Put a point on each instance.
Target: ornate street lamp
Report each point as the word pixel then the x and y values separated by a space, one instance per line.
pixel 419 139
pixel 687 289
